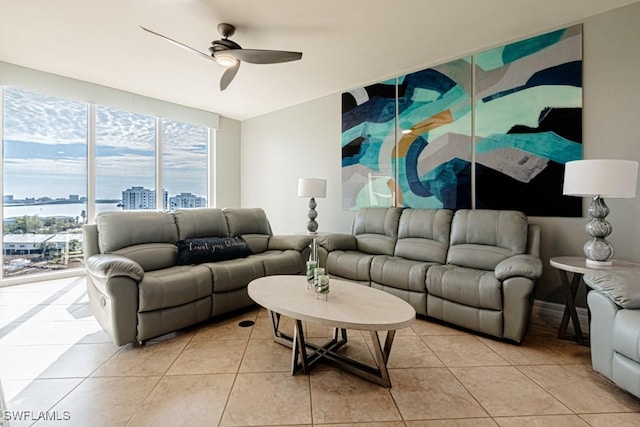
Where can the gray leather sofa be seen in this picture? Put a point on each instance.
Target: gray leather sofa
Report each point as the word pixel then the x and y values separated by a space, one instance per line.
pixel 473 268
pixel 136 288
pixel 615 327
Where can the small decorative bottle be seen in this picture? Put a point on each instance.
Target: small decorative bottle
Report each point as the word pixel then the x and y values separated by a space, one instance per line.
pixel 319 271
pixel 311 267
pixel 322 286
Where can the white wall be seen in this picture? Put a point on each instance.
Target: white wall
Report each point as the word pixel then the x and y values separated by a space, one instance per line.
pixel 226 178
pixel 304 141
pixel 298 142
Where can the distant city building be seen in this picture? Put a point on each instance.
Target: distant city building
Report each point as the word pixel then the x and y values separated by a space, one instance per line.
pixel 8 198
pixel 187 200
pixel 136 198
pixel 74 198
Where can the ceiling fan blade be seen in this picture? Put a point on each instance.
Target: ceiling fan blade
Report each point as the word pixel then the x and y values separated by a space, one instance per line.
pixel 177 43
pixel 228 75
pixel 258 56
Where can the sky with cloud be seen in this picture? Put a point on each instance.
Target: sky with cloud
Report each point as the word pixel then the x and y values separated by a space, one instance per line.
pixel 45 149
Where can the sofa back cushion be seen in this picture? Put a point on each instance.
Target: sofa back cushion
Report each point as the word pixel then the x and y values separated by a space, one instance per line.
pixel 151 256
pixel 482 238
pixel 376 230
pixel 423 234
pixel 202 222
pixel 147 237
pixel 250 223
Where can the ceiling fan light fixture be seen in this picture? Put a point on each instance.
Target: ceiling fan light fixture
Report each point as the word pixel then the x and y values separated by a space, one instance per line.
pixel 230 54
pixel 226 60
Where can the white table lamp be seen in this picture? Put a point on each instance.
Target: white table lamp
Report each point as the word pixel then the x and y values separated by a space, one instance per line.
pixel 312 187
pixel 600 178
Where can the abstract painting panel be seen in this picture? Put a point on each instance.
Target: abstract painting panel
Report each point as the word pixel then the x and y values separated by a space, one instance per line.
pixel 433 155
pixel 528 123
pixel 368 144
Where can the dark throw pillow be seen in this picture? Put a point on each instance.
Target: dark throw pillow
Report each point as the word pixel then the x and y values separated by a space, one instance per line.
pixel 211 249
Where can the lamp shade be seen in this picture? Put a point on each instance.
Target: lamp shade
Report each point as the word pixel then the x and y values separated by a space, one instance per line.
pixel 601 177
pixel 312 187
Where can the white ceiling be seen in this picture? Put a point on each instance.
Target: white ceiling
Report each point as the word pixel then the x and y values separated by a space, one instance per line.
pixel 345 43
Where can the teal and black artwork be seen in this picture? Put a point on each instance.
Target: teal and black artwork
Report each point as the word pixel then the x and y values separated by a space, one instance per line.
pixel 528 117
pixel 513 114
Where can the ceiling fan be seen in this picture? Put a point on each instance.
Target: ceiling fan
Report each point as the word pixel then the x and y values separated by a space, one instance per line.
pixel 229 54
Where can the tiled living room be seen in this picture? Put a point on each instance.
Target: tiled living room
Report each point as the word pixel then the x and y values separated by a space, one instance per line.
pixel 101 116
pixel 54 357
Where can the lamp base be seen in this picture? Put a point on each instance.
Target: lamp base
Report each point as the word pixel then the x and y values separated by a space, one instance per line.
pixel 598 250
pixel 312 225
pixel 598 264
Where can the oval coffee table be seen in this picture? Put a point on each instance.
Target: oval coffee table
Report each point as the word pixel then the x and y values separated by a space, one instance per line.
pixel 349 306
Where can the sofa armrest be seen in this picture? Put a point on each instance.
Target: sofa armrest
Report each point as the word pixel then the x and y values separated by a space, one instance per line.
pixel 338 242
pixel 621 287
pixel 519 266
pixel 106 266
pixel 283 243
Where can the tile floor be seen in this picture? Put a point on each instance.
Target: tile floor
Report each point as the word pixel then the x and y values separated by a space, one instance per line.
pixel 55 362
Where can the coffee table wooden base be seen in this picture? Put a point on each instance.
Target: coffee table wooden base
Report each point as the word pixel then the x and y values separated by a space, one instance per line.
pixel 305 355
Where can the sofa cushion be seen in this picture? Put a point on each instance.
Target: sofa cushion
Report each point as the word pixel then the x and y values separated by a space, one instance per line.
pixel 202 222
pixel 483 238
pixel 418 300
pixel 292 242
pixel 399 273
pixel 247 221
pixel 151 256
pixel 119 229
pixel 280 262
pixel 487 321
pixel 423 234
pixel 257 242
pixel 352 265
pixel 211 249
pixel 376 230
pixel 250 223
pixel 235 274
pixel 173 286
pixel 467 286
pixel 626 334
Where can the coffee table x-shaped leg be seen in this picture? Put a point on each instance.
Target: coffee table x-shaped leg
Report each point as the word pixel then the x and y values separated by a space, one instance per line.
pixel 305 355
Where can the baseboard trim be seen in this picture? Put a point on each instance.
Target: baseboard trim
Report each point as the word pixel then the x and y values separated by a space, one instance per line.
pixel 550 314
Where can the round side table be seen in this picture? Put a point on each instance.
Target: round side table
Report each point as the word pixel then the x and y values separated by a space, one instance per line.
pixel 578 266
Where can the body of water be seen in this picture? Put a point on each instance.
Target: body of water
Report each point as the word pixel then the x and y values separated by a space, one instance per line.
pixel 67 209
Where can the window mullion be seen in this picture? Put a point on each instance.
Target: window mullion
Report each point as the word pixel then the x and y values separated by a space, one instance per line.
pixel 91 163
pixel 211 162
pixel 159 142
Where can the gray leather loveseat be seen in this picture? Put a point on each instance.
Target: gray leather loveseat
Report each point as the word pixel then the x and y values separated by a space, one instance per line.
pixel 473 268
pixel 138 288
pixel 614 329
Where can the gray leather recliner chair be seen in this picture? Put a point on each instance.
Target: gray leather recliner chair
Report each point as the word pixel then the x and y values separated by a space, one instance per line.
pixel 614 327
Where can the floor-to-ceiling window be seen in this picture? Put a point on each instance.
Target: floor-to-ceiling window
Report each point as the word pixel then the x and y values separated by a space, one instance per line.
pixel 125 160
pixel 184 164
pixel 44 182
pixel 48 174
